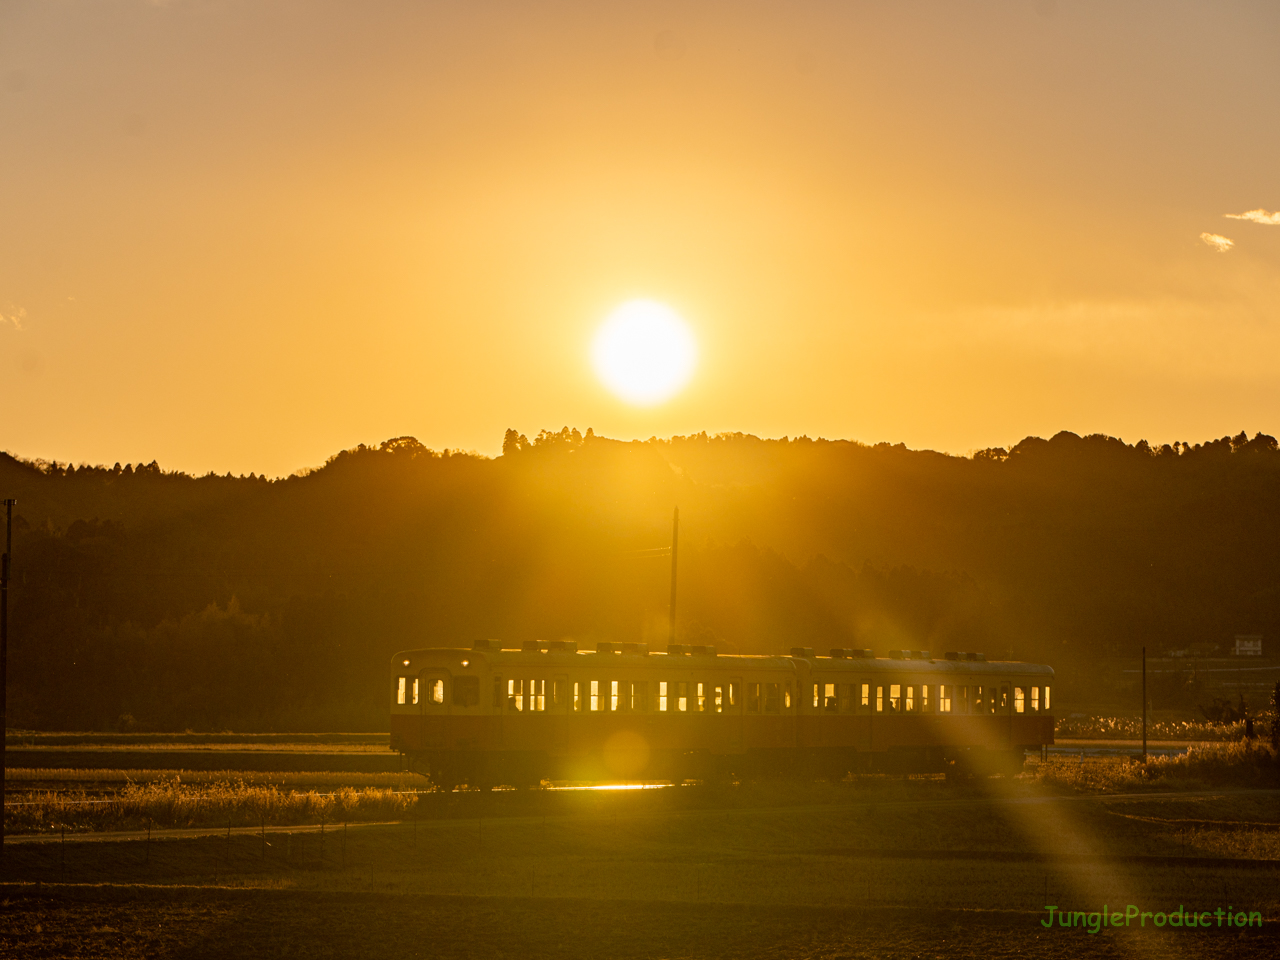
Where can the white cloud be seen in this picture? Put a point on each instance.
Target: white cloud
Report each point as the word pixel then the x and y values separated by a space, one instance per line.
pixel 16 318
pixel 1219 243
pixel 1257 216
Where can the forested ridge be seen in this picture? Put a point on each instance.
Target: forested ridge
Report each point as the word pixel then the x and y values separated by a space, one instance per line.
pixel 156 600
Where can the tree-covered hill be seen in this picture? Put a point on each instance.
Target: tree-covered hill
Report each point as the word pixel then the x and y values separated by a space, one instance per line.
pixel 211 602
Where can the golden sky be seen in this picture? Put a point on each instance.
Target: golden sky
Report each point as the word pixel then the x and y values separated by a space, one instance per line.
pixel 244 235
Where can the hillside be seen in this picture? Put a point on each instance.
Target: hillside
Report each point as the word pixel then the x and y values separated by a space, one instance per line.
pixel 168 601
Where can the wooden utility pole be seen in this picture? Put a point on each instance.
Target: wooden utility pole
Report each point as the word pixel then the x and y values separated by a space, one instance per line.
pixel 4 653
pixel 1144 704
pixel 675 542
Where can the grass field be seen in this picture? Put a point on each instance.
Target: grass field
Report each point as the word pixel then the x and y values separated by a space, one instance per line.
pixel 677 873
pixel 869 867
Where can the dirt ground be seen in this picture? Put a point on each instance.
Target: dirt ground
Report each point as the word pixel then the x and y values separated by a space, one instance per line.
pixel 136 922
pixel 646 877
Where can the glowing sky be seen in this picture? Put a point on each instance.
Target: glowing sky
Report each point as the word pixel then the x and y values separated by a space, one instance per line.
pixel 243 235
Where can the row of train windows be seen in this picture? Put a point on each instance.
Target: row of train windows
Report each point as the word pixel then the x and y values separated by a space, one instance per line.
pixel 641 696
pixel 909 698
pixel 466 691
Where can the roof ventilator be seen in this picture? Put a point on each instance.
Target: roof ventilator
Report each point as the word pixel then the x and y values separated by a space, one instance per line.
pixel 562 646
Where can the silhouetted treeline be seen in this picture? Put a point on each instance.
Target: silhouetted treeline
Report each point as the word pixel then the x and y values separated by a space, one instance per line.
pixel 171 601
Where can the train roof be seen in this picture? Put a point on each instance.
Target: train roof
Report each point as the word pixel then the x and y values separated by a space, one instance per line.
pixel 641 658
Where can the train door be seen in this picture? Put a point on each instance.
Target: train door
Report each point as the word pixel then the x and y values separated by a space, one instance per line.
pixel 431 690
pixel 733 714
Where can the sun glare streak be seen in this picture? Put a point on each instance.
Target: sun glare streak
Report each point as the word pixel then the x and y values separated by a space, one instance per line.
pixel 644 353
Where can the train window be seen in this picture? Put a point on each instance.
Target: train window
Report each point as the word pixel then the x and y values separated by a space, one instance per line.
pixel 817 696
pixel 702 698
pixel 866 696
pixel 735 693
pixel 1046 699
pixel 786 696
pixel 924 698
pixel 944 698
pixel 662 696
pixel 771 698
pixel 682 696
pixel 1035 699
pixel 830 698
pixel 895 697
pixel 962 696
pixel 978 700
pixel 538 695
pixel 400 685
pixel 991 695
pixel 578 696
pixel 595 695
pixel 909 702
pixel 515 694
pixel 717 698
pixel 1019 700
pixel 879 699
pixel 1004 697
pixel 466 691
pixel 753 698
pixel 613 696
pixel 415 690
pixel 640 696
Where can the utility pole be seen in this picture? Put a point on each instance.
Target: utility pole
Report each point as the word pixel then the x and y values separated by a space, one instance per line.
pixel 4 653
pixel 675 542
pixel 1144 704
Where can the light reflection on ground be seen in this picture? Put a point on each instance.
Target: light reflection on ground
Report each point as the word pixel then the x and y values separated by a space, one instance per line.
pixel 610 786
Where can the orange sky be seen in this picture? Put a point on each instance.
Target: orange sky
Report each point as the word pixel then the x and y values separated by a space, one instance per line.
pixel 244 235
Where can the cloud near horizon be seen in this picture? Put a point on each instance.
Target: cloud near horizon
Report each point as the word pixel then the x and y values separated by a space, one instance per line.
pixel 1219 243
pixel 1257 216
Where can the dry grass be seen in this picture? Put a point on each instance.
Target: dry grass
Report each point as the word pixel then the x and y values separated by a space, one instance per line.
pixel 173 803
pixel 1241 764
pixel 33 777
pixel 1130 728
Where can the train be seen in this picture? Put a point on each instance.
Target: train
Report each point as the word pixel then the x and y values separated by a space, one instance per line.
pixel 486 715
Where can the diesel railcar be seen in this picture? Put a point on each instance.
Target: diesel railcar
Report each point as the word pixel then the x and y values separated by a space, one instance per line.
pixel 487 715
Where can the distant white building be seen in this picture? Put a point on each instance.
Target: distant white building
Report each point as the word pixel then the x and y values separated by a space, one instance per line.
pixel 1248 645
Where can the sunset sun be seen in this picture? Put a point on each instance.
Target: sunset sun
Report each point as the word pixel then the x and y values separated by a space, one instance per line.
pixel 644 352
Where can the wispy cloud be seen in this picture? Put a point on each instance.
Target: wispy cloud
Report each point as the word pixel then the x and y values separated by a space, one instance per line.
pixel 1257 216
pixel 1219 243
pixel 16 318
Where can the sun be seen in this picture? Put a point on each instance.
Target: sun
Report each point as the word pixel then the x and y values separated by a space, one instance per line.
pixel 644 352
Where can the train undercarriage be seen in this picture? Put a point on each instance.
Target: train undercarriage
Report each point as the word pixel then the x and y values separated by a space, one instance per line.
pixel 526 769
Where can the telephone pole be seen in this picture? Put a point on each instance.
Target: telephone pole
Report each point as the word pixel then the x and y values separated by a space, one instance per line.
pixel 1144 704
pixel 4 653
pixel 675 542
